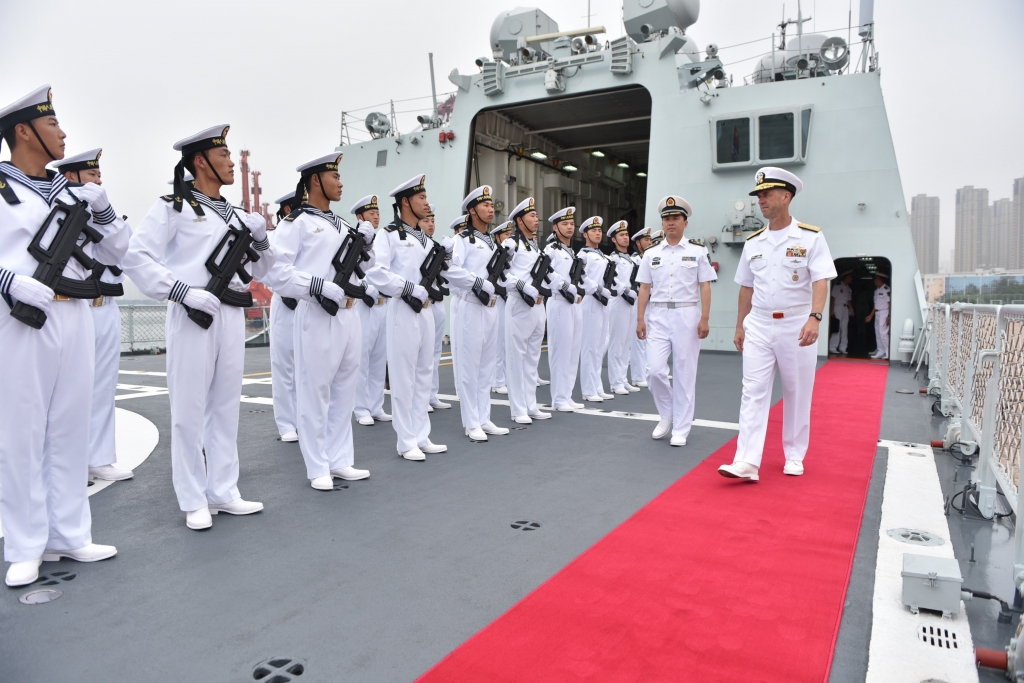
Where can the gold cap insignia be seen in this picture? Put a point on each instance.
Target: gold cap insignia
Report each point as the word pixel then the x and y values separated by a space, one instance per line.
pixel 670 202
pixel 759 178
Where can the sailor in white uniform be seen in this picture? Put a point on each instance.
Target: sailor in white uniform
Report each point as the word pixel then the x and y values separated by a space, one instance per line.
pixel 783 275
pixel 427 224
pixel 499 384
pixel 373 361
pixel 106 320
pixel 399 252
pixel 880 314
pixel 167 260
pixel 657 237
pixel 524 316
pixel 326 345
pixel 595 312
pixel 621 312
pixel 638 346
pixel 47 371
pixel 282 337
pixel 475 325
pixel 842 307
pixel 565 312
pixel 675 275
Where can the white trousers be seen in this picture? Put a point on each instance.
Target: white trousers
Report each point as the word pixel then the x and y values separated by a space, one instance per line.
pixel 499 360
pixel 326 369
pixel 475 331
pixel 524 332
pixel 594 346
pixel 106 321
pixel 47 381
pixel 204 383
pixel 772 343
pixel 882 332
pixel 621 330
pixel 843 338
pixel 673 331
pixel 373 360
pixel 439 320
pixel 637 357
pixel 565 337
pixel 282 364
pixel 453 342
pixel 410 357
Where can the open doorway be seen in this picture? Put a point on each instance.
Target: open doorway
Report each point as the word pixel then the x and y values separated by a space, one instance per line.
pixel 859 276
pixel 589 151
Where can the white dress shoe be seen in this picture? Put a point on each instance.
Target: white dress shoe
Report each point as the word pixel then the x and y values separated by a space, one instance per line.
pixel 606 397
pixel 413 454
pixel 350 473
pixel 199 519
pixel 593 399
pixel 238 506
pixel 440 405
pixel 383 417
pixel 325 483
pixel 663 428
pixel 542 382
pixel 94 552
pixel 110 473
pixel 365 420
pixel 565 409
pixel 793 468
pixel 631 389
pixel 491 428
pixel 577 406
pixel 678 441
pixel 540 415
pixel 739 470
pixel 429 447
pixel 430 409
pixel 476 434
pixel 522 420
pixel 500 390
pixel 291 437
pixel 621 391
pixel 22 573
pixel 642 384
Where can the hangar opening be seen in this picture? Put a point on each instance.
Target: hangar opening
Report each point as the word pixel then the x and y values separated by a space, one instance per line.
pixel 860 275
pixel 589 151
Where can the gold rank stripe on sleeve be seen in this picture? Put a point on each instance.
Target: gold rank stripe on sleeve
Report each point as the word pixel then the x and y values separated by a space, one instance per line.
pixel 812 228
pixel 755 234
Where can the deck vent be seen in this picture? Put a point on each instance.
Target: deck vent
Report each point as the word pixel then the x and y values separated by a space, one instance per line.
pixel 525 525
pixel 915 537
pixel 622 55
pixel 494 78
pixel 938 636
pixel 279 670
pixel 54 578
pixel 40 597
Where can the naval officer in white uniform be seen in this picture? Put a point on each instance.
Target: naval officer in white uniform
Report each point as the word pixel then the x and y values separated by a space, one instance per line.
pixel 46 373
pixel 621 312
pixel 282 338
pixel 565 312
pixel 167 260
pixel 638 349
pixel 373 362
pixel 326 346
pixel 398 254
pixel 783 275
pixel 499 384
pixel 106 320
pixel 842 307
pixel 674 276
pixel 880 314
pixel 595 312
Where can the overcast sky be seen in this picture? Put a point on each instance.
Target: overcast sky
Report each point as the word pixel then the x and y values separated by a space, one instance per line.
pixel 134 76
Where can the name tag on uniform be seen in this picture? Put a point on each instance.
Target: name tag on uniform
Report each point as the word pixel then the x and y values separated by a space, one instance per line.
pixel 689 258
pixel 756 256
pixel 655 262
pixel 796 252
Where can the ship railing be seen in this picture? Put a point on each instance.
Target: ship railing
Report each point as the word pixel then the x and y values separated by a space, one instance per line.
pixel 143 327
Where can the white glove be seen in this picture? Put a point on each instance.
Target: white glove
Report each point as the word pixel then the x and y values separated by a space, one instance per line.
pixel 448 243
pixel 333 292
pixel 530 291
pixel 31 291
pixel 257 225
pixel 488 287
pixel 420 293
pixel 571 289
pixel 201 300
pixel 366 230
pixel 93 195
pixel 372 291
pixel 606 293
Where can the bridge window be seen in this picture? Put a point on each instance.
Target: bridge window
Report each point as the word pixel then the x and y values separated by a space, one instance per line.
pixel 775 136
pixel 805 130
pixel 732 141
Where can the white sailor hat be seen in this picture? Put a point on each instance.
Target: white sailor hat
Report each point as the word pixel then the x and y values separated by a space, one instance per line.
pixel 657 235
pixel 412 186
pixel 477 196
pixel 504 227
pixel 618 226
pixel 592 222
pixel 770 176
pixel 566 214
pixel 645 232
pixel 327 162
pixel 188 179
pixel 286 199
pixel 215 136
pixel 80 162
pixel 430 211
pixel 674 204
pixel 35 105
pixel 365 204
pixel 459 223
pixel 522 208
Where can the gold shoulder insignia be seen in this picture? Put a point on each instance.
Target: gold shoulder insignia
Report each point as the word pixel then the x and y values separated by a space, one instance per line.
pixel 755 234
pixel 812 228
pixel 698 242
pixel 168 197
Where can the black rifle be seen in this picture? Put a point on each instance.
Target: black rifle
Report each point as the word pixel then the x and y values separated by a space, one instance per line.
pixel 633 285
pixel 575 277
pixel 538 276
pixel 107 288
pixel 292 304
pixel 608 282
pixel 236 246
pixel 433 265
pixel 346 262
pixel 496 268
pixel 68 223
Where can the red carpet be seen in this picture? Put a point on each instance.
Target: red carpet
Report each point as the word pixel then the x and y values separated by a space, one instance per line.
pixel 714 580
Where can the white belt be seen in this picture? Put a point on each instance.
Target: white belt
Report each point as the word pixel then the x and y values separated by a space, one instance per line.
pixel 673 304
pixel 471 297
pixel 783 313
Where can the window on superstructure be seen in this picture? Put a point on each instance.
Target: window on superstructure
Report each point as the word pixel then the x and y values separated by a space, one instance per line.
pixel 733 141
pixel 805 130
pixel 775 134
pixel 382 158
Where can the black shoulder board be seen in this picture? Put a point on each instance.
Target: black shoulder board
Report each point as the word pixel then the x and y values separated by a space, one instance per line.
pixel 698 242
pixel 72 183
pixel 295 214
pixel 390 227
pixel 812 228
pixel 758 232
pixel 168 197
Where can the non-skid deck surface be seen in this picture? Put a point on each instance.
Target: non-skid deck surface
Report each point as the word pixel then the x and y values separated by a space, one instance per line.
pixel 714 580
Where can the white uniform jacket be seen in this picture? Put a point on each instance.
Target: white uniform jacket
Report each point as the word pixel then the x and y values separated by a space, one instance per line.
pixel 470 255
pixel 523 254
pixel 781 268
pixel 675 272
pixel 882 298
pixel 623 269
pixel 562 259
pixel 398 255
pixel 593 276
